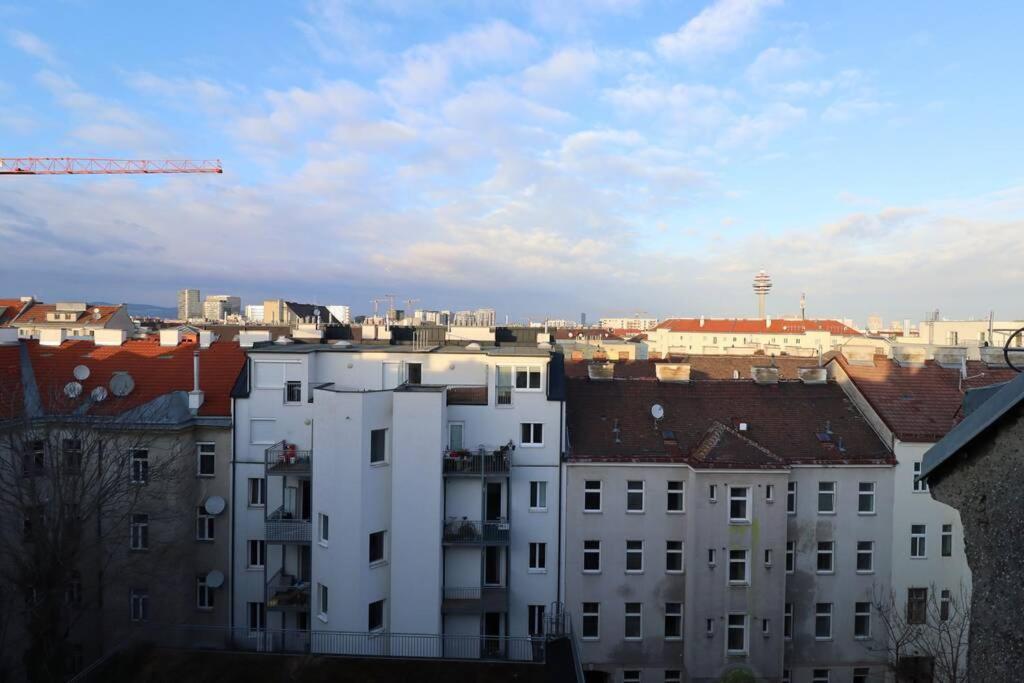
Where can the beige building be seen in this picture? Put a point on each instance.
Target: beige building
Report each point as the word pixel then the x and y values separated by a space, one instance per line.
pixel 743 336
pixel 36 320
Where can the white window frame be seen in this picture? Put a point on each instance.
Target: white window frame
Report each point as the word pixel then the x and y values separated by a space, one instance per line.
pixel 140 466
pixel 323 529
pixel 743 560
pixel 919 542
pixel 677 494
pixel 288 383
pixel 139 536
pixel 462 436
pixel 633 615
pixel 634 552
pixel 828 550
pixel 531 371
pixel 791 499
pixel 538 496
pixel 787 622
pixel 790 557
pixel 818 677
pixel 946 540
pixel 712 493
pixel 673 676
pixel 730 627
pixel 709 628
pixel 919 486
pixel 204 594
pixel 587 488
pixel 538 560
pixel 323 602
pixel 674 611
pixel 820 613
pixel 768 557
pixel 200 445
pixel 869 552
pixel 669 551
pixel 745 499
pixel 632 490
pixel 769 493
pixel 383 559
pixel 712 557
pixel 859 611
pixel 868 494
pixel 260 490
pixel 591 552
pixel 595 616
pixel 532 443
pixel 535 620
pixel 206 525
pixel 384 458
pixel 834 494
pixel 383 616
pixel 260 547
pixel 256 617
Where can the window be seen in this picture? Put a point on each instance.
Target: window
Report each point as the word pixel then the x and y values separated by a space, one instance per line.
pixel 634 626
pixel 527 378
pixel 34 461
pixel 673 621
pixel 674 557
pixel 634 496
pixel 257 492
pixel 675 500
pixel 823 621
pixel 786 678
pixel 591 621
pixel 860 674
pixel 791 498
pixel 919 486
pixel 204 594
pixel 709 627
pixel 73 590
pixel 713 493
pixel 712 557
pixel 138 600
pixel 206 458
pixel 591 557
pixel 790 557
pixel 456 435
pixel 71 450
pixel 739 504
pixel 826 497
pixel 866 498
pixel 538 557
pixel 673 676
pixel 630 676
pixel 945 602
pixel 766 627
pixel 140 466
pixel 414 373
pixel 634 557
pixel 535 619
pixel 592 496
pixel 862 620
pixel 140 532
pixel 257 553
pixel 736 638
pixel 503 386
pixel 917 541
pixel 531 434
pixel 324 527
pixel 947 540
pixel 538 495
pixel 865 557
pixel 787 622
pixel 739 572
pixel 257 620
pixel 917 605
pixel 769 493
pixel 819 676
pixel 293 391
pixel 378 445
pixel 377 544
pixel 375 616
pixel 204 525
pixel 323 594
pixel 826 553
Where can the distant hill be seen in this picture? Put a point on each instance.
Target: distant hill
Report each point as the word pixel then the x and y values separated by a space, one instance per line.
pixel 147 310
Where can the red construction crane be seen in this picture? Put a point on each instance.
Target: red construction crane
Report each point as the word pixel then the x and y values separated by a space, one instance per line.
pixel 79 166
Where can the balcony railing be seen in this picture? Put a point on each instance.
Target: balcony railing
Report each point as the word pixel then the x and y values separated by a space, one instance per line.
pixel 475 599
pixel 286 593
pixel 284 527
pixel 469 463
pixel 461 531
pixel 285 458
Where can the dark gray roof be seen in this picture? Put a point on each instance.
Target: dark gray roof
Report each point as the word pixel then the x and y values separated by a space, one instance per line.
pixel 976 423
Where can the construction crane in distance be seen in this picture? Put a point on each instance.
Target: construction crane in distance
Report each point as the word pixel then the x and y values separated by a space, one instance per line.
pixel 95 166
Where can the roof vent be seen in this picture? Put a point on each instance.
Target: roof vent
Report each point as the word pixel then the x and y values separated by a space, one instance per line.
pixel 991 355
pixel 742 426
pixel 170 337
pixel 671 372
pixel 51 337
pixel 812 375
pixel 702 321
pixel 735 374
pixel 765 375
pixel 601 371
pixel 910 356
pixel 951 356
pixel 121 384
pixel 283 340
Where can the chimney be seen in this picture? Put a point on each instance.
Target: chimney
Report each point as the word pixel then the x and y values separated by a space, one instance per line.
pixel 702 321
pixel 52 337
pixel 195 397
pixel 206 338
pixel 170 337
pixel 111 337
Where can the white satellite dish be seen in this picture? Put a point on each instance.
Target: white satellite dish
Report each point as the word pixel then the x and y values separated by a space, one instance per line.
pixel 121 384
pixel 72 389
pixel 215 579
pixel 214 505
pixel 657 411
pixel 99 394
pixel 81 372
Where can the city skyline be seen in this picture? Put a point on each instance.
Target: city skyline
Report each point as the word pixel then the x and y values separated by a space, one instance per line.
pixel 657 154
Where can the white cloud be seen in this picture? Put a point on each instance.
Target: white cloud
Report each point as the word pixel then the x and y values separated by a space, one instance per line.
pixel 873 226
pixel 184 92
pixel 718 28
pixel 774 62
pixel 32 45
pixel 759 128
pixel 844 110
pixel 565 70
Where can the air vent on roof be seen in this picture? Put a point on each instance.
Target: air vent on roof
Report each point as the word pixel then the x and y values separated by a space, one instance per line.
pixel 121 384
pixel 72 389
pixel 993 356
pixel 860 355
pixel 601 371
pixel 951 356
pixel 99 394
pixel 765 375
pixel 282 341
pixel 81 372
pixel 812 375
pixel 910 356
pixel 669 372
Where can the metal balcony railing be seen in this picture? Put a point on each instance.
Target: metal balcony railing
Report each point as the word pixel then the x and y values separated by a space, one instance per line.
pixel 461 531
pixel 286 593
pixel 284 527
pixel 473 599
pixel 284 459
pixel 474 463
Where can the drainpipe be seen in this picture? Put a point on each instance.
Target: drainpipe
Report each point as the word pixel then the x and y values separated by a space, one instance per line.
pixel 561 493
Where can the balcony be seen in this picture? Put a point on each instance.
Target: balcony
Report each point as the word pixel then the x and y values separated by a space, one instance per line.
pixel 467 395
pixel 287 594
pixel 474 600
pixel 283 527
pixel 464 463
pixel 284 459
pixel 461 531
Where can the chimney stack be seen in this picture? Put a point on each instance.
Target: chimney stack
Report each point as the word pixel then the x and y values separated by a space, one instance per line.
pixel 195 397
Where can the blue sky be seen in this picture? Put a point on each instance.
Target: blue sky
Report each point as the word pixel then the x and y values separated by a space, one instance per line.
pixel 543 158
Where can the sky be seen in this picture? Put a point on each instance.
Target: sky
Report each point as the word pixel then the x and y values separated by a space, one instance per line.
pixel 545 158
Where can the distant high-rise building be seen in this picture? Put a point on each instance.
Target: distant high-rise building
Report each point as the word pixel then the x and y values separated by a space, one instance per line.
pixel 220 306
pixel 485 317
pixel 189 305
pixel 342 314
pixel 583 319
pixel 254 313
pixel 875 323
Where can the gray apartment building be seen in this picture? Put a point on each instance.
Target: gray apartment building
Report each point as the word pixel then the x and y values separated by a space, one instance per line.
pixel 721 514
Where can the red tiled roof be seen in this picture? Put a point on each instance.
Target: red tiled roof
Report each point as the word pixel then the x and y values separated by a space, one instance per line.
pixel 702 367
pixel 157 370
pixel 919 404
pixel 753 326
pixel 785 419
pixel 9 308
pixel 36 314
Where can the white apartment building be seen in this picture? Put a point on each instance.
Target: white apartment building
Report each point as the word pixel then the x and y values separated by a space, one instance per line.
pixel 641 324
pixel 739 336
pixel 220 306
pixel 254 312
pixel 386 489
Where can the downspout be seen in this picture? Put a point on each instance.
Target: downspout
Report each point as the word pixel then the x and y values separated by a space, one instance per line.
pixel 231 536
pixel 561 493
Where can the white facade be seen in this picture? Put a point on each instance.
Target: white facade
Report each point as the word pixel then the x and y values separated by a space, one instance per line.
pixel 364 439
pixel 641 324
pixel 254 313
pixel 342 314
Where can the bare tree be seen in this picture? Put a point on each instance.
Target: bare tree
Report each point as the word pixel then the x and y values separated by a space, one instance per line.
pixel 924 638
pixel 79 495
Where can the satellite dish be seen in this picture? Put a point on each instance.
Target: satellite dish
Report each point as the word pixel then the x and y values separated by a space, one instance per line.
pixel 215 505
pixel 72 389
pixel 657 411
pixel 81 372
pixel 215 579
pixel 99 394
pixel 121 384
